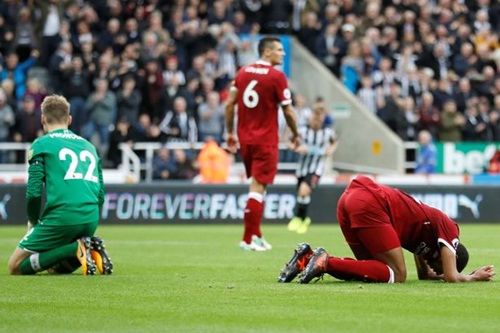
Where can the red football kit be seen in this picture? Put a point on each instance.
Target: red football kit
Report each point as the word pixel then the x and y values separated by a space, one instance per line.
pixel 413 225
pixel 261 90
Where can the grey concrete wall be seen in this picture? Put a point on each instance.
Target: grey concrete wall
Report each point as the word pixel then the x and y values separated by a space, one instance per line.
pixel 365 143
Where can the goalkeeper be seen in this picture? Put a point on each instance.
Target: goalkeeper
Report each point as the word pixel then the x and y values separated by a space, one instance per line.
pixel 60 237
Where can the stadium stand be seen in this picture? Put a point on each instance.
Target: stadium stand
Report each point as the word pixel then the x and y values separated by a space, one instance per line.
pixel 388 53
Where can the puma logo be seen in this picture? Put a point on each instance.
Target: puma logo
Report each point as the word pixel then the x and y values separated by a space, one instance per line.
pixel 473 205
pixel 3 206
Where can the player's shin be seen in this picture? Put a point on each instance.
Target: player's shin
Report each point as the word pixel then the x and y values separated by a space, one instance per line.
pixel 38 262
pixel 363 270
pixel 253 216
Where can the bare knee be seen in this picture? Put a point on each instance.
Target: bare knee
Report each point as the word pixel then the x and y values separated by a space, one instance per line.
pixel 15 261
pixel 14 268
pixel 399 274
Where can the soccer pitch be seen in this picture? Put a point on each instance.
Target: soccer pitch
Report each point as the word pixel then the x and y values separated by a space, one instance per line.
pixel 177 278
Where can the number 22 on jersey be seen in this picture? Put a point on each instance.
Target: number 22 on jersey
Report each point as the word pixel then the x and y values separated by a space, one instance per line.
pixel 84 156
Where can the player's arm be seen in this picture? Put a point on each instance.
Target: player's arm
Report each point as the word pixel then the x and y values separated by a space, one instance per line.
pixel 424 271
pixel 34 188
pixel 332 147
pixel 231 139
pixel 291 121
pixel 101 183
pixel 451 274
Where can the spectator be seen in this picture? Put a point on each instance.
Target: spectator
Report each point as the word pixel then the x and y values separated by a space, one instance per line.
pixel 132 31
pixel 367 94
pixel 17 71
pixel 452 123
pixel 213 162
pixel 111 38
pixel 331 48
pixel 177 125
pixel 463 94
pixel 83 36
pixel 7 120
pixel 10 98
pixel 211 118
pixel 302 110
pixel 128 100
pixel 48 25
pixel 184 168
pixel 90 57
pixel 60 63
pixel 464 61
pixel 101 108
pixel 24 40
pixel 6 36
pixel 411 118
pixel 35 90
pixel 391 111
pixel 171 70
pixel 76 89
pixel 121 134
pixel 152 90
pixel 429 115
pixel 384 76
pixel 28 126
pixel 163 164
pixel 426 154
pixel 352 67
pixel 474 128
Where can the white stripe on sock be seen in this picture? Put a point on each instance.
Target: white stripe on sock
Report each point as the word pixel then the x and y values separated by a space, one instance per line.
pixel 35 262
pixel 256 196
pixel 391 278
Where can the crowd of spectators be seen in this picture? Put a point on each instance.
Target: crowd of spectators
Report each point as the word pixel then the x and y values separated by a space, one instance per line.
pixel 159 70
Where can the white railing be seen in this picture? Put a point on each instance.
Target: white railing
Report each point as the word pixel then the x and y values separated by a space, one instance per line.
pixel 149 148
pixel 133 166
pixel 11 147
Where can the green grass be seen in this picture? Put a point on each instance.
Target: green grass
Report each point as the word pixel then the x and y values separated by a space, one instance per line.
pixel 195 279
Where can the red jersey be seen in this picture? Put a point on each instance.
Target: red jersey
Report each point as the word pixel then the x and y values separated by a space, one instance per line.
pixel 261 90
pixel 421 229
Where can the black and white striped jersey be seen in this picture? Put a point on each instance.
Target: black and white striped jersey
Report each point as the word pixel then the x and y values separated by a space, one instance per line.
pixel 317 142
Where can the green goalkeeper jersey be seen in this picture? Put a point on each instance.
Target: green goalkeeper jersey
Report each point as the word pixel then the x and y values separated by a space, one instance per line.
pixel 71 170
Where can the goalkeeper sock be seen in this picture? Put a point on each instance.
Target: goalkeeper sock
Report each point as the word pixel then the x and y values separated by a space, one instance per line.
pixel 253 216
pixel 67 266
pixel 38 262
pixel 359 270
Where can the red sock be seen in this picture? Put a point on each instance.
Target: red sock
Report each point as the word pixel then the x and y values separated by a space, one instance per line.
pixel 359 270
pixel 253 216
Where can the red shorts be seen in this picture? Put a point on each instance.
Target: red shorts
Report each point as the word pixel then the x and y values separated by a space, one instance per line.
pixel 261 162
pixel 366 222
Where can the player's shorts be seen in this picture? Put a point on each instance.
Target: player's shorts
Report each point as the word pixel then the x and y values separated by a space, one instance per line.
pixel 43 237
pixel 365 221
pixel 310 179
pixel 261 162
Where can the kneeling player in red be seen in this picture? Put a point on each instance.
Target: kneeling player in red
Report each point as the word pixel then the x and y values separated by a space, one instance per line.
pixel 378 222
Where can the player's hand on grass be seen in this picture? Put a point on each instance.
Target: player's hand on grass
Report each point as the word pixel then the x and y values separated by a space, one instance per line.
pixel 232 142
pixel 485 273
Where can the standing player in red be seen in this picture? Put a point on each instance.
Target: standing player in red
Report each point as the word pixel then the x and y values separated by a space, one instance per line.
pixel 259 90
pixel 378 222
